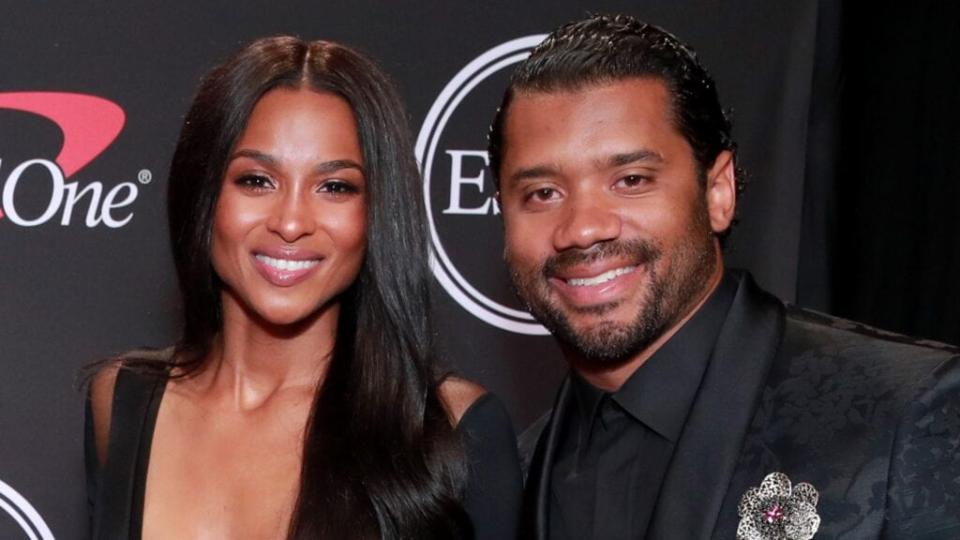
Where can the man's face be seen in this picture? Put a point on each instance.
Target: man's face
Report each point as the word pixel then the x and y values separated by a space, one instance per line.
pixel 609 228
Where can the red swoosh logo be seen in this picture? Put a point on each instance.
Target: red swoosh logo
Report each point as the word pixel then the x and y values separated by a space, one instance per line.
pixel 89 123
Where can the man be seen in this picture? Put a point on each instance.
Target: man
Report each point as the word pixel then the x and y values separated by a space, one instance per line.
pixel 689 385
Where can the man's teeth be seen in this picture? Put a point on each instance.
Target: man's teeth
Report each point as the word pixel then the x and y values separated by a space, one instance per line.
pixel 287 264
pixel 602 278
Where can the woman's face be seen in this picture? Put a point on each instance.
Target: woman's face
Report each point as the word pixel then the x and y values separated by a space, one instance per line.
pixel 289 231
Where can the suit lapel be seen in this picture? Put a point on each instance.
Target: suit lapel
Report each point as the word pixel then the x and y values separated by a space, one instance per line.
pixel 536 501
pixel 707 452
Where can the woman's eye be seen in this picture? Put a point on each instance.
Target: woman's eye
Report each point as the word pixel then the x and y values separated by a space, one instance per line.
pixel 254 181
pixel 337 187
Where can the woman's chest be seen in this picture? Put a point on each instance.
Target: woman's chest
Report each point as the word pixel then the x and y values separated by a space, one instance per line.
pixel 221 476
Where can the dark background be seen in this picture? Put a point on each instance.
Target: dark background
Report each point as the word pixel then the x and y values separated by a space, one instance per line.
pixel 846 115
pixel 896 229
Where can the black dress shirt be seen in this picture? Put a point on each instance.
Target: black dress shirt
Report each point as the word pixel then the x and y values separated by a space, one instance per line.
pixel 614 448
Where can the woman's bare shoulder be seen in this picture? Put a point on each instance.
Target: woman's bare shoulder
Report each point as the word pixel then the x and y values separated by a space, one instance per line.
pixel 458 395
pixel 103 386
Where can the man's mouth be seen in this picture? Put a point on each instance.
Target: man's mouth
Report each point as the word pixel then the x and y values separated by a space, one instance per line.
pixel 600 278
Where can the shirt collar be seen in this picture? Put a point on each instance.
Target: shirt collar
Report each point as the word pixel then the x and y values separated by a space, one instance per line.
pixel 660 393
pixel 588 399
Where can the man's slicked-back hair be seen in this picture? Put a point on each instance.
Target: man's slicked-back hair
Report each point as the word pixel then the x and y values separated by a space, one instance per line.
pixel 603 49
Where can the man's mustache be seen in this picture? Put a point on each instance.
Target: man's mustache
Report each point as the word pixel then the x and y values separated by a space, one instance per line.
pixel 635 252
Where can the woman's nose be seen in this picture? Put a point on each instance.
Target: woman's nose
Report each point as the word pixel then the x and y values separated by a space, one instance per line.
pixel 292 217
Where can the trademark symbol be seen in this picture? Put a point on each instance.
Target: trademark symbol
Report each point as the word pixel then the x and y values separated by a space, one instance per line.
pixel 144 176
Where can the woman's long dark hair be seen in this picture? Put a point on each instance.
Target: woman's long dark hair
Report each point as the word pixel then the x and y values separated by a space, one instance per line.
pixel 380 458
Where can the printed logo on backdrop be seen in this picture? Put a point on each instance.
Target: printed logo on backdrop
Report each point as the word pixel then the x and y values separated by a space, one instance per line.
pixel 465 228
pixel 23 513
pixel 89 125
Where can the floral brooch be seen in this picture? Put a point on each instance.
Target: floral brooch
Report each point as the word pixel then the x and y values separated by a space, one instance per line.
pixel 777 510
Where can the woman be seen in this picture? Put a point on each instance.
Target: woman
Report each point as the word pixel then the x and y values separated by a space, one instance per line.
pixel 302 400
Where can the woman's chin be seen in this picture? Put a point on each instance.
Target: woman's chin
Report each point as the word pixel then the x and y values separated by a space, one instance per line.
pixel 285 317
pixel 290 318
pixel 276 314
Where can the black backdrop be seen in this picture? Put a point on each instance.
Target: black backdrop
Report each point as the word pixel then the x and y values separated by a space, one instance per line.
pixel 72 293
pixel 897 237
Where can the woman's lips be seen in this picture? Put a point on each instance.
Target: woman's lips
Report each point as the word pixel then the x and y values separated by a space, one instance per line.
pixel 284 272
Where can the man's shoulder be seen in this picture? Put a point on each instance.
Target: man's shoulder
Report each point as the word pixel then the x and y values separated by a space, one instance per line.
pixel 811 328
pixel 900 395
pixel 807 326
pixel 846 407
pixel 840 352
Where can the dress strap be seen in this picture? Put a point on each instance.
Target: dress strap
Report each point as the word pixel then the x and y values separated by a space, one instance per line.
pixel 122 481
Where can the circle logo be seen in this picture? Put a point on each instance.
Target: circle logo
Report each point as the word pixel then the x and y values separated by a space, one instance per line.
pixel 465 229
pixel 23 513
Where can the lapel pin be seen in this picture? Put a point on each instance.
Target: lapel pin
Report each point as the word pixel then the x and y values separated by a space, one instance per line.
pixel 778 510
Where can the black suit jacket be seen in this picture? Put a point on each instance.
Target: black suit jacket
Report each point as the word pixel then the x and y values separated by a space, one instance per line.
pixel 870 419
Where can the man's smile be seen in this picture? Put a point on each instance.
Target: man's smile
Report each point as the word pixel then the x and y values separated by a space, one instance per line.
pixel 595 284
pixel 600 278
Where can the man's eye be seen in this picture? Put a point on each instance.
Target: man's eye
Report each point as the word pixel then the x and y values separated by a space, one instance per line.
pixel 542 194
pixel 633 180
pixel 254 181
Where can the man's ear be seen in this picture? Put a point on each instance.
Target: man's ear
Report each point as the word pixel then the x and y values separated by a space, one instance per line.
pixel 721 192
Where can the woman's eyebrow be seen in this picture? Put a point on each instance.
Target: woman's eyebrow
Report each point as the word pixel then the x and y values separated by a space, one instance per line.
pixel 321 168
pixel 336 165
pixel 255 155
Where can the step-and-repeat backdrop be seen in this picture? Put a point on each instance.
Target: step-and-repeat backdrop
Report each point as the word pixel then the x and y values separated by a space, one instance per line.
pixel 91 101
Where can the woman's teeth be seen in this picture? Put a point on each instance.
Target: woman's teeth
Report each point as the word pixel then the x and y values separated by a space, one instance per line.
pixel 287 264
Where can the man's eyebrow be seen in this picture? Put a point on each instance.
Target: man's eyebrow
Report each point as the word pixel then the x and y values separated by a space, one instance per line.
pixel 532 173
pixel 322 168
pixel 619 160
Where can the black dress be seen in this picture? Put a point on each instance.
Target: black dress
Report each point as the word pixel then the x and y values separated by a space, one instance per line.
pixel 115 491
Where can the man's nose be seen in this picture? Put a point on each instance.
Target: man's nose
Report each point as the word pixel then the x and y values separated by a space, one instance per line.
pixel 587 220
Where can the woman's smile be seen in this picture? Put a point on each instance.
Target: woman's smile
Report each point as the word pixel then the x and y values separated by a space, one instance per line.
pixel 285 272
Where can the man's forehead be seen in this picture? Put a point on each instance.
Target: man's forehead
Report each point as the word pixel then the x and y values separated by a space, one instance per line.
pixel 641 104
pixel 651 86
pixel 614 118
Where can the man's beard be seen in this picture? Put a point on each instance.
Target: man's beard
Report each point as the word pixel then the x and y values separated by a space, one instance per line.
pixel 666 299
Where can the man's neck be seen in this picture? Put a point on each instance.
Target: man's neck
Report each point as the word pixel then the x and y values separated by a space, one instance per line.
pixel 612 376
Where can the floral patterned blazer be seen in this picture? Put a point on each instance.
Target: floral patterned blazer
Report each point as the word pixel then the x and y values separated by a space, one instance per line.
pixel 871 420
